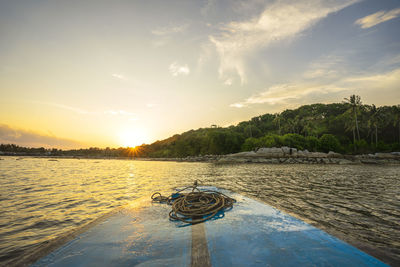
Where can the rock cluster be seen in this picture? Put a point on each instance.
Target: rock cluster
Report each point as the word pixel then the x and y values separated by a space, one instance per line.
pixel 292 155
pixel 287 155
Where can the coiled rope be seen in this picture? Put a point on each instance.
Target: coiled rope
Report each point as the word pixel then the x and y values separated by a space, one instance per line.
pixel 196 206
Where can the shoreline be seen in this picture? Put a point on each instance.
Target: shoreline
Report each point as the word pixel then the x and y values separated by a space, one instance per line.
pixel 254 157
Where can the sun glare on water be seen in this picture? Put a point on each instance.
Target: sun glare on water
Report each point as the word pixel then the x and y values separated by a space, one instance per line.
pixel 132 137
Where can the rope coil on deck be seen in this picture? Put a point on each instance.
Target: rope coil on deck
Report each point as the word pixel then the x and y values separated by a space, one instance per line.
pixel 196 206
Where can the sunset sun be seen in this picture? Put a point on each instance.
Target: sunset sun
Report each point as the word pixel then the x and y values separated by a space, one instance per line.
pixel 132 137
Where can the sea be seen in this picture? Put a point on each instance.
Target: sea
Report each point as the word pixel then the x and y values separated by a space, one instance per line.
pixel 41 198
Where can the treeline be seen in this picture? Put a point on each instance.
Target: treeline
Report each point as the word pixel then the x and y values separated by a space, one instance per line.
pixel 348 127
pixel 12 149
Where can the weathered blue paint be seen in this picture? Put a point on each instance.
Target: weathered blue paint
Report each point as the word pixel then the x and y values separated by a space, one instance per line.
pixel 255 234
pixel 251 234
pixel 141 236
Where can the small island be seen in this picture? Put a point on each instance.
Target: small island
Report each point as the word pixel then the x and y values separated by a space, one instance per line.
pixel 339 133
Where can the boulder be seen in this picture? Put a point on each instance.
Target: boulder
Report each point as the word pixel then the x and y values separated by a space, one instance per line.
pixel 332 154
pixel 317 155
pixel 285 150
pixel 300 154
pixel 385 156
pixel 369 161
pixel 345 161
pixel 263 150
pixel 275 161
pixel 325 160
pixel 270 152
pixel 261 160
pixel 289 151
pixel 291 161
pixel 243 154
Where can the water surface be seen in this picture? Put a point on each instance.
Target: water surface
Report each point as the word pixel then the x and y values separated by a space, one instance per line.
pixel 41 199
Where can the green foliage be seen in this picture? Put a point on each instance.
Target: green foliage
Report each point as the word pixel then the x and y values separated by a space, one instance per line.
pixel 383 147
pixel 271 140
pixel 251 143
pixel 294 140
pixel 312 143
pixel 349 127
pixel 329 142
pixel 362 146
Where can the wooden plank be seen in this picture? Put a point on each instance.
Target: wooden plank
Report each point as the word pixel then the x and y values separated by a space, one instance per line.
pixel 200 254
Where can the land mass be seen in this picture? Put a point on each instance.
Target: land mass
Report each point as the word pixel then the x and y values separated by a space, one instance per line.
pixel 348 128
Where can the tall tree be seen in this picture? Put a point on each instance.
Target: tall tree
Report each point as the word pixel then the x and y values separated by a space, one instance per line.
pixel 349 124
pixel 355 103
pixel 373 122
pixel 396 118
pixel 277 121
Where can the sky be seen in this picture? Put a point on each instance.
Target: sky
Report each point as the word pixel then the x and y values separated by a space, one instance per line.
pixel 122 73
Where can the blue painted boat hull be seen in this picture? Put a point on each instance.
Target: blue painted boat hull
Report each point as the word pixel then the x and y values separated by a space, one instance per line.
pixel 251 234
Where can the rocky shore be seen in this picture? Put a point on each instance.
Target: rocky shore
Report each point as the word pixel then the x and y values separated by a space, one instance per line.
pixel 273 155
pixel 287 155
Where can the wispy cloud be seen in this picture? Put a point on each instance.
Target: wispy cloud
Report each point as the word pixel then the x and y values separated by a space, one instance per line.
pixel 388 79
pixel 325 67
pixel 377 18
pixel 287 92
pixel 279 21
pixel 170 30
pixel 166 35
pixel 150 105
pixel 111 112
pixel 119 76
pixel 176 69
pixel 228 82
pixel 66 107
pixel 9 135
pixel 118 112
pixel 281 93
pixel 237 105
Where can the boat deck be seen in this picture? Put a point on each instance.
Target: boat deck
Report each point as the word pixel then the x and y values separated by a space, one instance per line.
pixel 250 234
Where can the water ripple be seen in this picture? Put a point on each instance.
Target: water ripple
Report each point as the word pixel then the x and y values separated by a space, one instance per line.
pixel 41 200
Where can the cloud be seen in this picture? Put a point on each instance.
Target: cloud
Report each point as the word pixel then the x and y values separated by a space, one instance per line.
pixel 175 69
pixel 9 135
pixel 388 79
pixel 165 35
pixel 237 105
pixel 228 82
pixel 118 76
pixel 113 112
pixel 74 109
pixel 170 30
pixel 279 21
pixel 207 7
pixel 297 92
pixel 150 105
pixel 377 18
pixel 118 112
pixel 325 67
pixel 281 93
pixel 392 60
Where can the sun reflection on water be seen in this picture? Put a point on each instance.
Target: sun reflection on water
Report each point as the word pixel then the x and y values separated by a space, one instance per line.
pixel 42 199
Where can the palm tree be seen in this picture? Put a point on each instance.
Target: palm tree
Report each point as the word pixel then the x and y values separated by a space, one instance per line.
pixel 373 122
pixel 350 124
pixel 290 126
pixel 355 103
pixel 312 124
pixel 277 120
pixel 396 118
